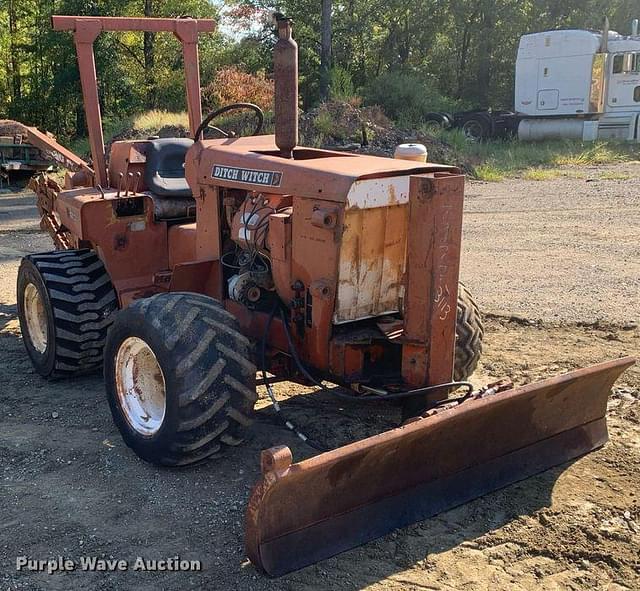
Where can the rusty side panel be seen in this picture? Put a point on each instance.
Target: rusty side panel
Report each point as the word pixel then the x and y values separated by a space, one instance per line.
pixel 133 248
pixel 127 157
pixel 303 512
pixel 181 243
pixel 208 239
pixel 372 261
pixel 433 263
pixel 279 242
pixel 198 277
pixel 315 250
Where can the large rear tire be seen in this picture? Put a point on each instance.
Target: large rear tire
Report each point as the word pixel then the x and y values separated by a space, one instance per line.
pixel 179 378
pixel 65 306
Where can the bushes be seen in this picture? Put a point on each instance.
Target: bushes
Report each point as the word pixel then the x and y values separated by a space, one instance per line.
pixel 406 97
pixel 231 85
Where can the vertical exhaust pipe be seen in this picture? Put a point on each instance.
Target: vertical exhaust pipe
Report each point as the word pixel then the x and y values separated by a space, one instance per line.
pixel 634 27
pixel 604 44
pixel 285 69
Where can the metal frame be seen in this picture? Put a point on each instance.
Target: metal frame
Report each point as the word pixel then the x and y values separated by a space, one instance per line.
pixel 85 31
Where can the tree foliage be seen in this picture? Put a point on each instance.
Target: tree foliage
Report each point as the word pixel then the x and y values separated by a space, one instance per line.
pixel 449 52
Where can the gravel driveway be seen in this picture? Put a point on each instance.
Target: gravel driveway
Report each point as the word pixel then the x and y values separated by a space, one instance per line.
pixel 555 266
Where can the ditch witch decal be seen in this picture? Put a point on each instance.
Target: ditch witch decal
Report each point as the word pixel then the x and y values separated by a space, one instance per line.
pixel 266 178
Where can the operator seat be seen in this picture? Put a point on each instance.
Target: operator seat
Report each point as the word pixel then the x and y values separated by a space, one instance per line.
pixel 164 178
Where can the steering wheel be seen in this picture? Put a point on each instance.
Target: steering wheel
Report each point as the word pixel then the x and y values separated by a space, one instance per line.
pixel 233 107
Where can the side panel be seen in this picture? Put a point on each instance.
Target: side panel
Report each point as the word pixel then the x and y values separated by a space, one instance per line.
pixel 373 250
pixel 133 248
pixel 372 261
pixel 314 263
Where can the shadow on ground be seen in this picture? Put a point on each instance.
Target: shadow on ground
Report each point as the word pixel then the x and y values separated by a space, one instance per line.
pixel 67 468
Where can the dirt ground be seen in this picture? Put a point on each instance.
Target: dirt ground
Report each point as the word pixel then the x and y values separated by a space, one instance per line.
pixel 555 266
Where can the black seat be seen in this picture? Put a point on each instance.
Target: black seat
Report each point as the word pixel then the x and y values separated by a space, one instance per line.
pixel 164 173
pixel 164 178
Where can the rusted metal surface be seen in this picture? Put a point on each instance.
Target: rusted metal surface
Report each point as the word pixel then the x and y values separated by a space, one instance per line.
pixel 279 239
pixel 47 191
pixel 303 512
pixel 197 277
pixel 433 262
pixel 127 23
pixel 58 152
pixel 85 31
pixel 285 74
pixel 372 262
pixel 181 243
pixel 133 247
pixel 313 173
pixel 127 157
pixel 314 261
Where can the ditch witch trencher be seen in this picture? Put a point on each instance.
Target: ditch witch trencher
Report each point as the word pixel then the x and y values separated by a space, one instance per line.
pixel 186 264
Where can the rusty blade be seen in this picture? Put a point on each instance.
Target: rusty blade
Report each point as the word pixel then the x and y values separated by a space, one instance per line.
pixel 304 512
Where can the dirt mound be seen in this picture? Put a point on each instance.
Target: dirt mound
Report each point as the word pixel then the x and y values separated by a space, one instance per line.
pixel 367 130
pixel 12 128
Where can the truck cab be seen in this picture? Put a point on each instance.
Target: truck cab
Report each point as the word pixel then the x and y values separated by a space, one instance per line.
pixel 578 84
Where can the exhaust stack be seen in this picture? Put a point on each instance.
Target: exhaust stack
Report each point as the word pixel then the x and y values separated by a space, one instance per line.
pixel 285 68
pixel 604 44
pixel 634 27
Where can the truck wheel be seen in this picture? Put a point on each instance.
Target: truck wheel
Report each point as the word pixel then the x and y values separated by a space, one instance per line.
pixel 433 122
pixel 65 305
pixel 179 378
pixel 477 128
pixel 469 335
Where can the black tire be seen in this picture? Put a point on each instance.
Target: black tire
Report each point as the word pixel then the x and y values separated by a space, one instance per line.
pixel 477 128
pixel 469 335
pixel 436 121
pixel 78 302
pixel 208 377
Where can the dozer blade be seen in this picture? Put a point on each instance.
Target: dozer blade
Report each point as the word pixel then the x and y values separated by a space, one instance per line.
pixel 300 513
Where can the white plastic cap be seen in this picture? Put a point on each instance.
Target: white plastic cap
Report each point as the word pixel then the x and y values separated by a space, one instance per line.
pixel 417 152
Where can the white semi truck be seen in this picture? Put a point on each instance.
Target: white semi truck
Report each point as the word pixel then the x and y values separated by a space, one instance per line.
pixel 569 84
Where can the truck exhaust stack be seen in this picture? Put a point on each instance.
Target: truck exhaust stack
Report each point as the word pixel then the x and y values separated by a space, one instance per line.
pixel 285 68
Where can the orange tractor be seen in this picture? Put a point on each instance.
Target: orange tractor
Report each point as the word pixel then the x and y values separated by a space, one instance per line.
pixel 186 265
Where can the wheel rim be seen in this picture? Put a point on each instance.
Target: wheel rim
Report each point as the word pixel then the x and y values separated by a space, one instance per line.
pixel 433 126
pixel 140 386
pixel 473 130
pixel 35 314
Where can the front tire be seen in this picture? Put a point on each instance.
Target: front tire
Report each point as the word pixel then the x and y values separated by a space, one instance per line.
pixel 179 378
pixel 469 335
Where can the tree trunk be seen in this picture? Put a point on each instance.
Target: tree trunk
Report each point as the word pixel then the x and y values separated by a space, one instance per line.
pixel 485 50
pixel 16 79
pixel 325 51
pixel 149 58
